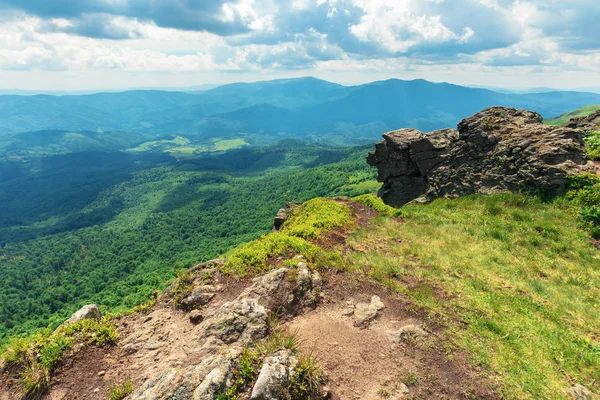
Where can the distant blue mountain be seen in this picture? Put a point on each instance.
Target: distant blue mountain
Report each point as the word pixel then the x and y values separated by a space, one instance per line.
pixel 304 108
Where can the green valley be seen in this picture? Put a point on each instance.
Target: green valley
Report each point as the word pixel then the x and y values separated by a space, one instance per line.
pixel 111 227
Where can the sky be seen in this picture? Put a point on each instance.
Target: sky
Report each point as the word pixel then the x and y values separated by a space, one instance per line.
pixel 112 44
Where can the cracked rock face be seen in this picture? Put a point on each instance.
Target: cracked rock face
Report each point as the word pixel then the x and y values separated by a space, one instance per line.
pixel 274 376
pixel 497 150
pixel 230 327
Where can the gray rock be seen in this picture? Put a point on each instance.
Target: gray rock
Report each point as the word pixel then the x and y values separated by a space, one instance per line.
pixel 90 311
pixel 199 296
pixel 407 332
pixel 274 376
pixel 242 320
pixel 366 312
pixel 215 381
pixel 580 392
pixel 131 348
pixel 497 150
pixel 163 385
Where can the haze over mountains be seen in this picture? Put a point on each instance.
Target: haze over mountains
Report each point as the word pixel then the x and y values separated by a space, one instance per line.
pixel 263 112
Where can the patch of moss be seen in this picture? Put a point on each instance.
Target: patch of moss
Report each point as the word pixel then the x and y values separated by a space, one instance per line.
pixel 309 221
pixel 377 204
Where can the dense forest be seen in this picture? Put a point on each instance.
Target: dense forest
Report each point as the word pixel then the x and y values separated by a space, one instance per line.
pixel 109 228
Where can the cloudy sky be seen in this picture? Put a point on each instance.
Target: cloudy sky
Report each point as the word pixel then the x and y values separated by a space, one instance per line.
pixel 106 44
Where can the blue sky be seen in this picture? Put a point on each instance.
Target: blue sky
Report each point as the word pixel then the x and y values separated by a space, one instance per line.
pixel 106 44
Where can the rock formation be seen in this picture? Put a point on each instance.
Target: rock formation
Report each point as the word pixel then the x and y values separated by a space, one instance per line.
pixel 230 327
pixel 90 311
pixel 496 150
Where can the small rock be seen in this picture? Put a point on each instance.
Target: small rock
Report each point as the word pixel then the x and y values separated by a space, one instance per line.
pixel 131 348
pixel 580 392
pixel 326 392
pixel 101 373
pixel 199 296
pixel 402 389
pixel 365 313
pixel 348 311
pixel 196 316
pixel 302 265
pixel 408 331
pixel 96 390
pixel 299 257
pixel 152 345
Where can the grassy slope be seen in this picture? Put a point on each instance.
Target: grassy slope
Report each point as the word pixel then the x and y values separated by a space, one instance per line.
pixel 580 112
pixel 514 280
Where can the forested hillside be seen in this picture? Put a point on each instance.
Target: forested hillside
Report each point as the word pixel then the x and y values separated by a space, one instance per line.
pixel 111 227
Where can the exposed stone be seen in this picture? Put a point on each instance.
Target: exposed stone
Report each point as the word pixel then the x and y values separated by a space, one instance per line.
pixel 90 311
pixel 349 310
pixel 196 316
pixel 274 376
pixel 235 324
pixel 366 312
pixel 406 332
pixel 580 392
pixel 590 122
pixel 131 348
pixel 199 296
pixel 283 214
pixel 499 149
pixel 244 320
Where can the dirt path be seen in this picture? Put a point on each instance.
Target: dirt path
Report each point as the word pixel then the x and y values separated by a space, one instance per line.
pixel 364 363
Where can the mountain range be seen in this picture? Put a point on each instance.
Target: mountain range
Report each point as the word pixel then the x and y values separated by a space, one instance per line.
pixel 263 112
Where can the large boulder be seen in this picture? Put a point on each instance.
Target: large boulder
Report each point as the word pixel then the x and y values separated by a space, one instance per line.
pixel 274 376
pixel 90 311
pixel 496 150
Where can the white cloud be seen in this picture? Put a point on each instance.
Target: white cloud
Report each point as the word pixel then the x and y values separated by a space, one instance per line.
pixel 378 37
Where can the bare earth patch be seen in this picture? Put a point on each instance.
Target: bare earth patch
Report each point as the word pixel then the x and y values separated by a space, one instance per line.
pixel 367 364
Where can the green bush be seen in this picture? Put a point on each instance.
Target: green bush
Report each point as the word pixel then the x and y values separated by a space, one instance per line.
pixel 119 392
pixel 584 193
pixel 309 221
pixel 592 145
pixel 316 216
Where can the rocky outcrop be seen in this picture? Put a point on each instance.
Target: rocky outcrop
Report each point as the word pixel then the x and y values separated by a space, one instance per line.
pixel 283 214
pixel 590 122
pixel 90 311
pixel 230 327
pixel 496 150
pixel 364 313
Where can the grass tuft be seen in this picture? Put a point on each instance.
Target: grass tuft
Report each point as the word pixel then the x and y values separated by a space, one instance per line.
pixel 119 392
pixel 378 205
